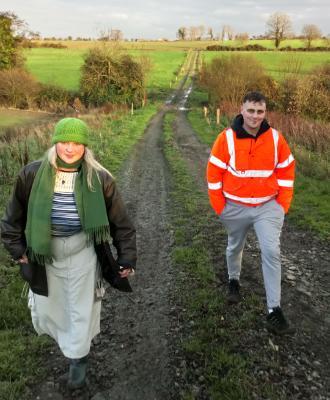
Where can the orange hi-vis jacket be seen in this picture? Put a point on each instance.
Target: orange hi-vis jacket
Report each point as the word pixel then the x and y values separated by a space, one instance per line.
pixel 250 171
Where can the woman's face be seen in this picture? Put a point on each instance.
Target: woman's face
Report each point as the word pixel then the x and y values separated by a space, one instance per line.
pixel 70 152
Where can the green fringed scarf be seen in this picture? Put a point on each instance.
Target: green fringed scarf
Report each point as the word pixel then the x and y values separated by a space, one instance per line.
pixel 90 205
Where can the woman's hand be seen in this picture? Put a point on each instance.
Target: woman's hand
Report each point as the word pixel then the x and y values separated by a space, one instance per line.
pixel 23 259
pixel 126 272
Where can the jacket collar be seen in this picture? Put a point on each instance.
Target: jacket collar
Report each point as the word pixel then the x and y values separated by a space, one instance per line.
pixel 241 133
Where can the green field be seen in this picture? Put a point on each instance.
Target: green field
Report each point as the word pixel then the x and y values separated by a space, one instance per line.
pixel 276 63
pixel 62 66
pixel 59 67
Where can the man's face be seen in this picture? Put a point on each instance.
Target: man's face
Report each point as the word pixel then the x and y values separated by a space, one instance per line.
pixel 253 115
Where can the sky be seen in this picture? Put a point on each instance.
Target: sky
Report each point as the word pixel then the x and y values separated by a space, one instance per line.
pixel 161 18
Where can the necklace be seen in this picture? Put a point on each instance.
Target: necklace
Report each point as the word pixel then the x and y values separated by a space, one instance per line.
pixel 64 181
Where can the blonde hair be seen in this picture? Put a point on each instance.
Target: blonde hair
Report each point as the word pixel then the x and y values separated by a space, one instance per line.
pixel 91 164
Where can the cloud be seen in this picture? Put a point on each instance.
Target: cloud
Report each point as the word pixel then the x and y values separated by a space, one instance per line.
pixel 137 18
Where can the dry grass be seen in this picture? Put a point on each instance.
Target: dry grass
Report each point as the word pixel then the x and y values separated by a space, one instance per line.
pixel 313 135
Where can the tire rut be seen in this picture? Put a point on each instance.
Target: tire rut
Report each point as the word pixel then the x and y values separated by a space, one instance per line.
pixel 141 369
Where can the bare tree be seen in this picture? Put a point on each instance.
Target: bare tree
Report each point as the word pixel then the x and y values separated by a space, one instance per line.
pixel 310 33
pixel 227 33
pixel 222 34
pixel 182 33
pixel 210 33
pixel 279 27
pixel 116 34
pixel 326 40
pixel 230 32
pixel 193 32
pixel 242 38
pixel 201 31
pixel 107 34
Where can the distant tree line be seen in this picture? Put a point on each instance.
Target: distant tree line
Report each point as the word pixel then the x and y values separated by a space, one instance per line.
pixel 278 28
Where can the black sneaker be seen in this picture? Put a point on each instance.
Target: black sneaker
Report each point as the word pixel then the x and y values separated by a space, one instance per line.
pixel 234 296
pixel 277 324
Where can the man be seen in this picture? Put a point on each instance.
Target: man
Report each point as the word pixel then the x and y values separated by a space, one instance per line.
pixel 250 176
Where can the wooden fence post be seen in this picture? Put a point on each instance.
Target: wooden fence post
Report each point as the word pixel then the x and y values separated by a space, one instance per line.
pixel 205 111
pixel 218 116
pixel 132 109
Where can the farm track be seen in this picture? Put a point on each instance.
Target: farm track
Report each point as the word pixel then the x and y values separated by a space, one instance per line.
pixel 135 354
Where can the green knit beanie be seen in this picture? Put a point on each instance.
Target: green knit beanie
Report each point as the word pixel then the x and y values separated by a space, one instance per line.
pixel 71 130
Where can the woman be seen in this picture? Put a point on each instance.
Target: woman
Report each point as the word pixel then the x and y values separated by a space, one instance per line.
pixel 63 209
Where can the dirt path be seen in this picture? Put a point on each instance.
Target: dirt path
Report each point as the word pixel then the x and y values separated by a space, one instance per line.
pixel 133 356
pixel 141 369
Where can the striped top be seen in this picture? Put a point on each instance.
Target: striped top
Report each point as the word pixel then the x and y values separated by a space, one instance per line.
pixel 64 216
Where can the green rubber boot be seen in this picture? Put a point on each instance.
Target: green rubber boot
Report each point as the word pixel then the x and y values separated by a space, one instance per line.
pixel 77 373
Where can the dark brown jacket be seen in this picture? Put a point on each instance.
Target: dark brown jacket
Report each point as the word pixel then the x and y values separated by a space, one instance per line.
pixel 14 221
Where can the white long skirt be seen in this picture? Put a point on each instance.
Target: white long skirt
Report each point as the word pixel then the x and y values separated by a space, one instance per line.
pixel 70 314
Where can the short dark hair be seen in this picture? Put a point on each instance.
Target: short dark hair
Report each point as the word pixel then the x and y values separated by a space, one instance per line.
pixel 255 97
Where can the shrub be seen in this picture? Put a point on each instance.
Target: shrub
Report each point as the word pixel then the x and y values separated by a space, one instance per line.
pixel 248 47
pixel 309 96
pixel 290 96
pixel 312 135
pixel 286 48
pixel 316 99
pixel 254 47
pixel 227 79
pixel 52 45
pixel 18 88
pixel 218 47
pixel 111 77
pixel 54 99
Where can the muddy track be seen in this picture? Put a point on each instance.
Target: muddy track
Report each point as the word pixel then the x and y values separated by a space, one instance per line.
pixel 142 369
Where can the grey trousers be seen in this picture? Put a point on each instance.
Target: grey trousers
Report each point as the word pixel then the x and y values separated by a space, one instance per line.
pixel 267 221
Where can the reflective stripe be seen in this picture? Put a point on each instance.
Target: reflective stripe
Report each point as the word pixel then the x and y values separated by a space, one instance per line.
pixel 216 161
pixel 215 186
pixel 249 200
pixel 275 138
pixel 251 173
pixel 231 148
pixel 285 182
pixel 285 163
pixel 248 173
